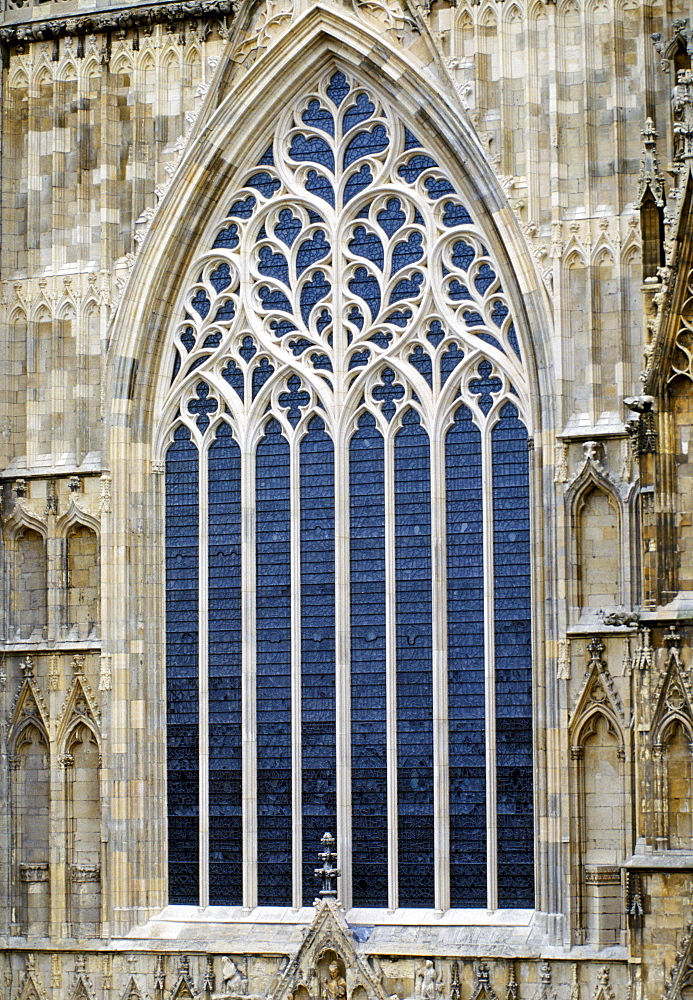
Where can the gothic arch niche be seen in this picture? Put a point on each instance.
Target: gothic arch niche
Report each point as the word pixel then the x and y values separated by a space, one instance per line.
pixel 599 550
pixel 677 746
pixel 83 580
pixel 29 593
pixel 31 809
pixel 601 796
pixel 82 772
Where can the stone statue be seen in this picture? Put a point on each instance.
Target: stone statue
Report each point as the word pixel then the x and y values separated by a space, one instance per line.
pixel 335 987
pixel 233 979
pixel 426 981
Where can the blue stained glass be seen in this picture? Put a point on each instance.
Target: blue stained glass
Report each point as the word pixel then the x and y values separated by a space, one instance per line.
pixel 317 288
pixel 513 644
pixel 367 287
pixel 407 252
pixel 357 182
pixel 176 364
pixel 407 288
pixel 319 185
pixel 368 245
pixel 294 401
pixel 463 254
pixel 437 187
pixel 247 349
pixel 288 227
pixel 421 360
pixel 399 317
pixel 313 149
pixel 388 392
pixel 435 333
pixel 368 699
pixel 449 361
pixel 512 338
pixel 273 298
pixel 485 385
pixel 381 339
pixel 455 214
pixel 261 373
pixel 188 338
pixel 359 358
pixel 458 292
pixel 243 208
pixel 485 278
pixel 321 361
pixel 264 183
pixel 466 671
pixel 356 317
pixel 316 116
pixel 410 140
pixel 299 346
pixel 311 251
pixel 414 663
pixel 273 652
pixel 203 406
pixel 267 158
pixel 490 339
pixel 200 303
pixel 214 339
pixel 472 318
pixel 182 574
pixel 338 88
pixel 358 112
pixel 225 313
pixel 234 376
pixel 318 738
pixel 500 311
pixel 280 327
pixel 273 265
pixel 415 166
pixel 392 218
pixel 323 321
pixel 225 737
pixel 366 143
pixel 220 278
pixel 227 237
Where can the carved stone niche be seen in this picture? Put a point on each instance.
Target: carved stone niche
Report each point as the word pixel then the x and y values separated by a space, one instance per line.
pixel 327 967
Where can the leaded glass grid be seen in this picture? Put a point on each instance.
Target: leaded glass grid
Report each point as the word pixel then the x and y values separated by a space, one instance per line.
pixel 345 419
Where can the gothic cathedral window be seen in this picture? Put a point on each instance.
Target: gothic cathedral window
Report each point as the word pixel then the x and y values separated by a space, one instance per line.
pixel 348 532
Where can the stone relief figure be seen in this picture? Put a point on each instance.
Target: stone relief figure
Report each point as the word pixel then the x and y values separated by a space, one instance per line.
pixel 682 110
pixel 335 987
pixel 234 982
pixel 428 983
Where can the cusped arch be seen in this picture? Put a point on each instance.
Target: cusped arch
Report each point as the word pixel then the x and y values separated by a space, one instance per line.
pixel 586 726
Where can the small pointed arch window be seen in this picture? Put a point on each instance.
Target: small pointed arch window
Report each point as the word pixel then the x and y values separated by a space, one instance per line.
pixel 348 532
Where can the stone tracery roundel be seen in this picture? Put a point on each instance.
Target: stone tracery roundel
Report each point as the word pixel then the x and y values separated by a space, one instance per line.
pixel 347 260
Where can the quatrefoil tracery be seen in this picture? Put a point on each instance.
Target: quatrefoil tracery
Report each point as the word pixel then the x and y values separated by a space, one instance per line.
pixel 346 251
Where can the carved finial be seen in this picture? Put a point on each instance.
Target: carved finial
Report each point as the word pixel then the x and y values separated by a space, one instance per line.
pixel 159 976
pixel 78 664
pixel 184 966
pixel 329 873
pixel 20 487
pixel 80 962
pixel 455 982
pixel 74 484
pixel 672 637
pixel 511 986
pixel 27 667
pixel 595 648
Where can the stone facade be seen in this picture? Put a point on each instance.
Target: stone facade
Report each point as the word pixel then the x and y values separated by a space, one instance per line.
pixel 121 128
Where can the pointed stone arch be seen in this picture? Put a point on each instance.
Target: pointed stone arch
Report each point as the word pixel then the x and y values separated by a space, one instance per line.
pixel 206 172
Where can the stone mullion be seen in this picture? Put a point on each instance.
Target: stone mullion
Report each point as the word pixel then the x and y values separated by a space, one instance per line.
pixel 203 676
pixel 577 845
pixel 391 673
pixel 296 715
pixel 249 681
pixel 441 770
pixel 490 673
pixel 62 824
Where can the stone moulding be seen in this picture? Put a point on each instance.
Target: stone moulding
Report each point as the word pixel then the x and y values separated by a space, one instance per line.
pixel 89 24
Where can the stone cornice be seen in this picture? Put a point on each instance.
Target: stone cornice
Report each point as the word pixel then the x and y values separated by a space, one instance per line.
pixel 96 22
